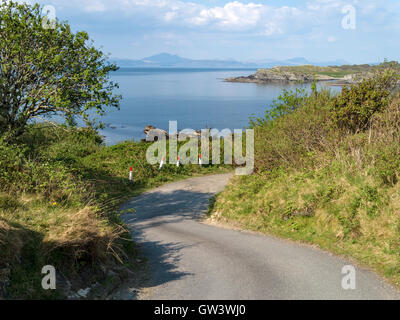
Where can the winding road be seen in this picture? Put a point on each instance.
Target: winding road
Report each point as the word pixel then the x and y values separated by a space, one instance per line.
pixel 189 259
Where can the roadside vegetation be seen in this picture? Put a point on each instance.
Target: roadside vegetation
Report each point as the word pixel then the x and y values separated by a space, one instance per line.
pixel 60 188
pixel 327 173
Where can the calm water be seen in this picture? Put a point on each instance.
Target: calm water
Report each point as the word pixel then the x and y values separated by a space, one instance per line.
pixel 195 98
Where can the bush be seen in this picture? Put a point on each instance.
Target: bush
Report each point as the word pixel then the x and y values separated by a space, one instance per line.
pixel 11 166
pixel 51 178
pixel 296 136
pixel 354 108
pixel 50 141
pixel 288 102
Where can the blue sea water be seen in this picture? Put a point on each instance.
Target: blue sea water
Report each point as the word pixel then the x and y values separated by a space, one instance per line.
pixel 196 98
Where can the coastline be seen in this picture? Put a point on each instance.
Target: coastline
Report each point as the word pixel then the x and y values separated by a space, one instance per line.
pixel 335 76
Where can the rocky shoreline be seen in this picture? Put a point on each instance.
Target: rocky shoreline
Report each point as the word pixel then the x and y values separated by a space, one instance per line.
pixel 275 75
pixel 154 134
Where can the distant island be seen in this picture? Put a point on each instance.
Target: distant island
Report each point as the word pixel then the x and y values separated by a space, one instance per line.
pixel 339 75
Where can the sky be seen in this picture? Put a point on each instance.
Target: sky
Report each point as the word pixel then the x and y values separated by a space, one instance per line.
pixel 358 31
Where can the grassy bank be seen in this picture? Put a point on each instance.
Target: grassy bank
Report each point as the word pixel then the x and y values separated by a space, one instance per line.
pixel 59 191
pixel 327 172
pixel 334 71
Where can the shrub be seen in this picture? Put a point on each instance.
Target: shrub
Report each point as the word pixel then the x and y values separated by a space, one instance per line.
pixel 382 149
pixel 52 178
pixel 50 141
pixel 288 102
pixel 354 108
pixel 11 165
pixel 297 136
pixel 387 165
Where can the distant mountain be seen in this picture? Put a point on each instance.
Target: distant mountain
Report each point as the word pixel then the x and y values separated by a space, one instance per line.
pixel 166 60
pixel 299 61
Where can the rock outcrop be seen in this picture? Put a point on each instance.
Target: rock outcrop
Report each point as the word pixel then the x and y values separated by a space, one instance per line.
pixel 277 75
pixel 155 134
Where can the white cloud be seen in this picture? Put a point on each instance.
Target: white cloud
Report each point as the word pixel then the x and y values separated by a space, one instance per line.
pixel 233 14
pixel 332 39
pixel 236 16
pixel 171 15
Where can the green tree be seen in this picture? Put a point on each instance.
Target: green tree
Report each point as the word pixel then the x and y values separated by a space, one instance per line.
pixel 48 71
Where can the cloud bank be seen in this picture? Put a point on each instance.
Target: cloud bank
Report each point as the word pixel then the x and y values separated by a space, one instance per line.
pixel 305 23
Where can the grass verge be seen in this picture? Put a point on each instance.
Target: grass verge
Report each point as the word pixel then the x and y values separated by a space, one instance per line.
pixel 327 174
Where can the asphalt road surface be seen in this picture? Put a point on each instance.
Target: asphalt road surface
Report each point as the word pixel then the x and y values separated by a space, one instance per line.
pixel 189 259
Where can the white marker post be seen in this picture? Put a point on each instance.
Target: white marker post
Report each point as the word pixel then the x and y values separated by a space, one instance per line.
pixel 131 174
pixel 162 163
pixel 200 163
pixel 178 162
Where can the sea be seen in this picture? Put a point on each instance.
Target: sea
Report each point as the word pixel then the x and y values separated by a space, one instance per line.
pixel 195 98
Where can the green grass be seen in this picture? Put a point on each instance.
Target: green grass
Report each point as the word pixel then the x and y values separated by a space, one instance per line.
pixel 352 217
pixel 333 71
pixel 336 72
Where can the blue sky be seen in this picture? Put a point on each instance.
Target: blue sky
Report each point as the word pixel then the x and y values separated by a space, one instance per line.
pixel 243 30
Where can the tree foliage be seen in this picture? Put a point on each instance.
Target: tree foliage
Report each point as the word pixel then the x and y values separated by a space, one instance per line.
pixel 48 71
pixel 288 102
